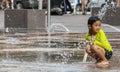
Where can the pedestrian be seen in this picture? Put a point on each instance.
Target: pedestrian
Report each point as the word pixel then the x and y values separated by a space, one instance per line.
pixel 6 3
pixel 118 3
pixel 87 6
pixel 99 47
pixel 68 6
pixel 83 7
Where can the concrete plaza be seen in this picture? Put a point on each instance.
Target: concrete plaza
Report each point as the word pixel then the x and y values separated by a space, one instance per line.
pixel 78 23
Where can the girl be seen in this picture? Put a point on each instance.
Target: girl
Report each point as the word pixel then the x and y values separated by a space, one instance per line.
pixel 99 49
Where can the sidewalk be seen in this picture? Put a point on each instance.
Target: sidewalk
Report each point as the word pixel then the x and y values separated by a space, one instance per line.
pixel 78 23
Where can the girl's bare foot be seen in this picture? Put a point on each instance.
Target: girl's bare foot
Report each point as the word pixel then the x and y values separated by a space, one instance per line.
pixel 103 63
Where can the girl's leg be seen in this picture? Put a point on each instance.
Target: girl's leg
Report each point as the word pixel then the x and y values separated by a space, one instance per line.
pixel 100 53
pixel 93 54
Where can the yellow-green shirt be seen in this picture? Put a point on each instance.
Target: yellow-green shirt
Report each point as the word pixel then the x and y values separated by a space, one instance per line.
pixel 100 40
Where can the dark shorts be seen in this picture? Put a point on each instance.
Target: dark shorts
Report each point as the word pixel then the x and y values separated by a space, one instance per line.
pixel 108 54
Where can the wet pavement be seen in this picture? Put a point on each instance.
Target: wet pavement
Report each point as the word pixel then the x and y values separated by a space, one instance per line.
pixel 78 23
pixel 29 51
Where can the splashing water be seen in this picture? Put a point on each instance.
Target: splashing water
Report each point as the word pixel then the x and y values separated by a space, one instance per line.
pixel 53 27
pixel 12 40
pixel 109 5
pixel 59 27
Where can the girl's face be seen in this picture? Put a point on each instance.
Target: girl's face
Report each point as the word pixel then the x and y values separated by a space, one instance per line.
pixel 95 27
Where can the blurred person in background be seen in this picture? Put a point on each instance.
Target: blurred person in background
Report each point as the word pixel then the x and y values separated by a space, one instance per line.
pixel 68 5
pixel 5 4
pixel 83 7
pixel 87 7
pixel 118 3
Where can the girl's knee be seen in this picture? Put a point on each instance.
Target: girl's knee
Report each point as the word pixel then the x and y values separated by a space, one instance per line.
pixel 94 47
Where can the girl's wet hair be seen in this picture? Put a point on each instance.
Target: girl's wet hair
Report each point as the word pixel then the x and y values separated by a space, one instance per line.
pixel 93 19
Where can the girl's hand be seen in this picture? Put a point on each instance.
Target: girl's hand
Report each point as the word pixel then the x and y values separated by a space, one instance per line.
pixel 88 49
